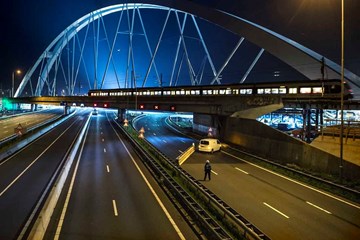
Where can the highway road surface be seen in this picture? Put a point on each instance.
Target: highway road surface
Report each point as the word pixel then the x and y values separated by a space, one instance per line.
pixel 27 120
pixel 111 195
pixel 25 174
pixel 278 206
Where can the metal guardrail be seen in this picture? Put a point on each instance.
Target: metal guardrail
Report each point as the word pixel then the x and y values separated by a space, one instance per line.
pixel 14 136
pixel 34 132
pixel 186 154
pixel 221 211
pixel 350 131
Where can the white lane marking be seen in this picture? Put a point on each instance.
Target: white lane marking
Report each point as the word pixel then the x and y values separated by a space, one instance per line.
pixel 241 170
pixel 154 134
pixel 316 206
pixel 282 214
pixel 294 181
pixel 102 139
pixel 115 208
pixel 107 168
pixel 101 133
pixel 63 212
pixel 164 141
pixel 183 141
pixel 152 190
pixel 180 151
pixel 214 172
pixel 35 160
pixel 104 150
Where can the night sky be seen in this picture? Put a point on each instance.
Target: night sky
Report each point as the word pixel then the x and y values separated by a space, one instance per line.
pixel 28 26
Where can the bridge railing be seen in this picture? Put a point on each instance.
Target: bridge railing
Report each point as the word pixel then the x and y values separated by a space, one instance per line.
pixel 351 130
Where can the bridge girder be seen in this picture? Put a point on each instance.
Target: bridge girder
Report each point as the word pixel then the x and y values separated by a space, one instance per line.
pixel 294 54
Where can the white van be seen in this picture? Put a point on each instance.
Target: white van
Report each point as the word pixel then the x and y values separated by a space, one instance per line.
pixel 209 145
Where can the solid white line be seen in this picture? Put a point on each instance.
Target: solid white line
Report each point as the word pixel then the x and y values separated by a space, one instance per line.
pixel 62 217
pixel 107 168
pixel 214 172
pixel 115 208
pixel 241 170
pixel 316 206
pixel 294 181
pixel 282 214
pixel 35 160
pixel 152 191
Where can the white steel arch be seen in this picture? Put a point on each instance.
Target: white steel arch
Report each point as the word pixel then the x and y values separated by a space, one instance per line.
pixel 292 53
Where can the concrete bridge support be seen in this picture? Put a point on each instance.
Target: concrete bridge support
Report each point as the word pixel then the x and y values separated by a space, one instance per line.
pixel 34 107
pixel 121 114
pixel 207 125
pixel 274 145
pixel 67 110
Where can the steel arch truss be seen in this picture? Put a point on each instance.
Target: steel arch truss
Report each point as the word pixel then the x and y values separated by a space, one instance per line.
pixel 51 63
pixel 65 57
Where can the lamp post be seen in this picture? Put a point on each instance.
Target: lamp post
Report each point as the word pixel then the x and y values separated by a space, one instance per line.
pixel 342 92
pixel 13 81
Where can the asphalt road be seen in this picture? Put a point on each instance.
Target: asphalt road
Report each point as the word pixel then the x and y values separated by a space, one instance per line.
pixel 27 120
pixel 25 174
pixel 280 207
pixel 112 195
pixel 171 142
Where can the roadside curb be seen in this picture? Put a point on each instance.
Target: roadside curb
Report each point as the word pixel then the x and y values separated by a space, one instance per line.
pixel 39 228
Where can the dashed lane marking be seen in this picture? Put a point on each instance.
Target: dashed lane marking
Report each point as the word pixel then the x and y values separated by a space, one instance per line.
pixel 241 170
pixel 115 208
pixel 271 207
pixel 316 206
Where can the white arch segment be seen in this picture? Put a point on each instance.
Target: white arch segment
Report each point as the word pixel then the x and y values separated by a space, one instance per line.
pixel 299 57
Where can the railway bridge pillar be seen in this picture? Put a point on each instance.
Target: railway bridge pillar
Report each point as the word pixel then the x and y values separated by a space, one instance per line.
pixel 121 114
pixel 34 107
pixel 66 109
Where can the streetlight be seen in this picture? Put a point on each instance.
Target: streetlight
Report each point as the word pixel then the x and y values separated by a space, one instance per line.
pixel 342 91
pixel 13 80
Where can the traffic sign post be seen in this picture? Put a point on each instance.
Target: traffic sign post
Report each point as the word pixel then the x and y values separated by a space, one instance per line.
pixel 142 131
pixel 20 130
pixel 210 132
pixel 126 123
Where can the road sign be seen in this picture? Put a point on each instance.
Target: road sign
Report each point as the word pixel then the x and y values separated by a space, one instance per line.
pixel 20 130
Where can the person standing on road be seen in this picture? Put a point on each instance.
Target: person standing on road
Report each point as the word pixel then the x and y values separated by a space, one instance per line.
pixel 207 170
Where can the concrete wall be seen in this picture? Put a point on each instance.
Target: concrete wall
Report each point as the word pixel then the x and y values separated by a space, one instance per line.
pixel 278 146
pixel 202 123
